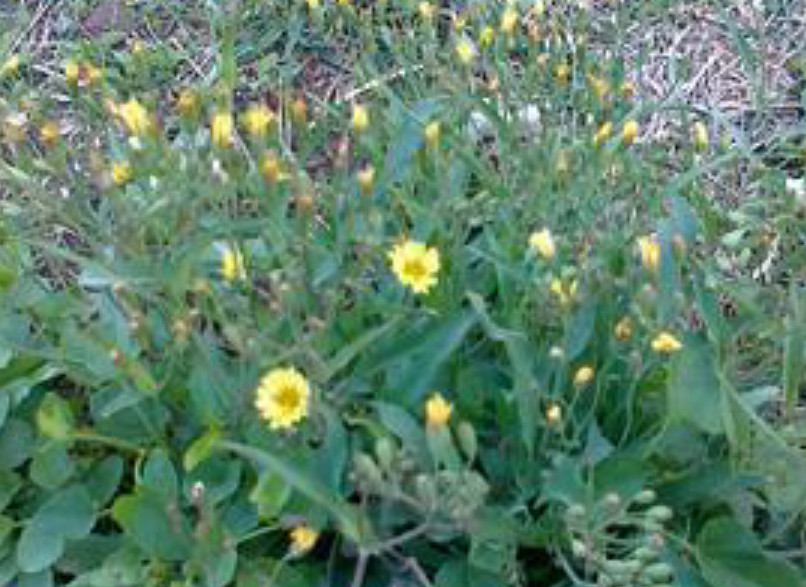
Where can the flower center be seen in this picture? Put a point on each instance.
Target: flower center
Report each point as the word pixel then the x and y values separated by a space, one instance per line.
pixel 415 269
pixel 288 397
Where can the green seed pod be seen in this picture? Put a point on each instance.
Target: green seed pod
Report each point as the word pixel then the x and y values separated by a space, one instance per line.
pixel 645 497
pixel 646 554
pixel 367 471
pixel 575 512
pixel 468 441
pixel 612 501
pixel 658 573
pixel 659 513
pixel 426 490
pixel 385 452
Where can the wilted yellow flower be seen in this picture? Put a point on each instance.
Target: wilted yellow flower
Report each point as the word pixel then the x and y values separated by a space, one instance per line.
pixel 554 414
pixel 426 10
pixel 135 118
pixel 486 37
pixel 10 67
pixel 282 397
pixel 366 178
pixel 258 119
pixel 187 104
pixel 221 128
pixel 700 134
pixel 542 242
pixel 360 118
pixel 466 52
pixel 605 132
pixel 121 173
pixel 666 343
pixel 437 411
pixel 232 266
pixel 303 539
pixel 71 73
pixel 299 111
pixel 49 133
pixel 343 2
pixel 432 131
pixel 623 329
pixel 509 20
pixel 415 265
pixel 650 252
pixel 630 132
pixel 583 376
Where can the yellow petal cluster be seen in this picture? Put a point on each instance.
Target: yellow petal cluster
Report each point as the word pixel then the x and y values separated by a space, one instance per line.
pixel 303 539
pixel 649 248
pixel 415 265
pixel 666 343
pixel 437 411
pixel 232 266
pixel 282 398
pixel 542 242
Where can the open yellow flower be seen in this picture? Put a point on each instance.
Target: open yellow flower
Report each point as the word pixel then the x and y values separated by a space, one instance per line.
pixel 258 120
pixel 432 132
pixel 437 411
pixel 135 118
pixel 232 266
pixel 221 129
pixel 509 20
pixel 49 133
pixel 650 252
pixel 415 265
pixel 486 37
pixel 71 73
pixel 121 173
pixel 303 539
pixel 666 343
pixel 583 376
pixel 623 329
pixel 630 132
pixel 564 293
pixel 360 118
pixel 282 397
pixel 542 242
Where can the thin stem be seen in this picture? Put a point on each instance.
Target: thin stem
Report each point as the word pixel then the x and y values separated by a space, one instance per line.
pixel 360 569
pixel 88 436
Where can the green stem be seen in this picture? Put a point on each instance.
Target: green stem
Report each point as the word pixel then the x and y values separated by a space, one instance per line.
pixel 87 436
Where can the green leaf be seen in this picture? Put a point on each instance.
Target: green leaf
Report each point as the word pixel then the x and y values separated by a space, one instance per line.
pixel 156 526
pixel 731 556
pixel 159 475
pixel 16 443
pixel 200 449
pixel 103 479
pixel 794 351
pixel 694 391
pixel 54 417
pixel 403 425
pixel 580 329
pixel 271 494
pixel 10 483
pixel 40 579
pixel 51 466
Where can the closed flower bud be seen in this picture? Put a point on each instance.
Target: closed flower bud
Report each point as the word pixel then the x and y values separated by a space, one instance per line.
pixel 270 168
pixel 666 343
pixel 258 121
pixel 659 513
pixel 427 11
pixel 385 452
pixel 612 501
pixel 432 131
pixel 630 132
pixel 579 549
pixel 49 133
pixel 221 125
pixel 366 180
pixel 563 74
pixel 187 104
pixel 576 512
pixel 646 554
pixel 10 67
pixel 700 136
pixel 360 119
pixel 509 20
pixel 121 173
pixel 645 497
pixel 623 329
pixel 468 441
pixel 367 471
pixel 71 73
pixel 603 134
pixel 426 490
pixel 554 415
pixel 658 573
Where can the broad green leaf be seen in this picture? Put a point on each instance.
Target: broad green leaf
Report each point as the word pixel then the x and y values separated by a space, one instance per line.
pixel 794 351
pixel 51 466
pixel 403 425
pixel 38 548
pixel 16 443
pixel 159 476
pixel 201 449
pixel 10 483
pixel 731 556
pixel 103 478
pixel 271 494
pixel 157 527
pixel 40 579
pixel 694 391
pixel 580 329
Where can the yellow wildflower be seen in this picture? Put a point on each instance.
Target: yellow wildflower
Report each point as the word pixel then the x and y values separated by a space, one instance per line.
pixel 272 169
pixel 282 397
pixel 583 376
pixel 10 67
pixel 415 265
pixel 565 294
pixel 303 539
pixel 623 329
pixel 437 411
pixel 543 243
pixel 187 103
pixel 666 343
pixel 630 132
pixel 71 73
pixel 554 414
pixel 650 252
pixel 509 20
pixel 466 52
pixel 432 131
pixel 563 73
pixel 700 133
pixel 258 120
pixel 628 90
pixel 221 128
pixel 605 132
pixel 366 178
pixel 49 133
pixel 360 118
pixel 600 87
pixel 427 11
pixel 232 266
pixel 138 47
pixel 93 74
pixel 121 173
pixel 135 118
pixel 486 37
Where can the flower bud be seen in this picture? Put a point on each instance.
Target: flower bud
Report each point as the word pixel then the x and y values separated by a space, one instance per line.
pixel 366 179
pixel 360 119
pixel 658 573
pixel 385 452
pixel 367 471
pixel 299 112
pixel 645 497
pixel 432 131
pixel 659 513
pixel 468 441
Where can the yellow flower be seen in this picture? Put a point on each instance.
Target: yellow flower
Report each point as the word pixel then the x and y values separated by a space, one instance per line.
pixel 509 20
pixel 360 118
pixel 623 329
pixel 700 133
pixel 258 119
pixel 666 343
pixel 600 87
pixel 135 118
pixel 272 169
pixel 138 47
pixel 650 252
pixel 366 178
pixel 221 128
pixel 282 397
pixel 415 265
pixel 431 133
pixel 14 127
pixel 93 74
pixel 299 111
pixel 121 173
pixel 563 73
pixel 426 10
pixel 630 132
pixel 437 411
pixel 312 4
pixel 10 67
pixel 543 243
pixel 564 294
pixel 466 52
pixel 554 414
pixel 49 133
pixel 628 90
pixel 188 103
pixel 71 73
pixel 486 37
pixel 605 132
pixel 232 266
pixel 583 376
pixel 303 539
